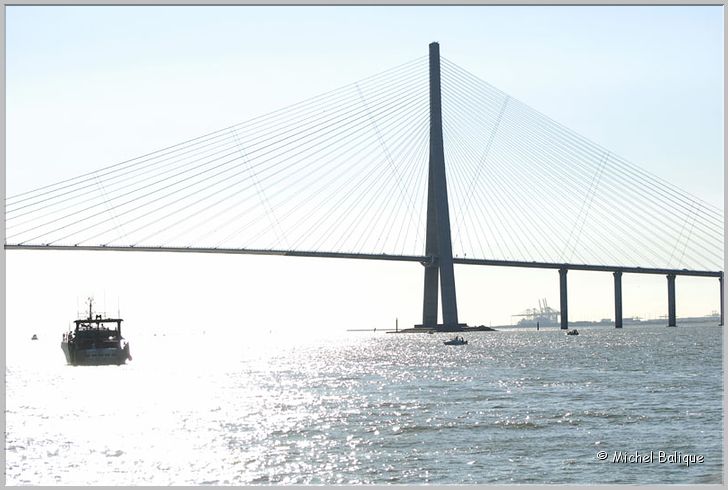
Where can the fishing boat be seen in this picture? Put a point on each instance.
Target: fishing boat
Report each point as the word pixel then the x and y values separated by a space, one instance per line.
pixel 95 341
pixel 456 341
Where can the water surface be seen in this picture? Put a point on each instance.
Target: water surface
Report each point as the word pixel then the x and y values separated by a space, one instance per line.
pixel 516 406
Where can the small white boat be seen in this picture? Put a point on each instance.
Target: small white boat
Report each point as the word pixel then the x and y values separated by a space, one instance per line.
pixel 456 341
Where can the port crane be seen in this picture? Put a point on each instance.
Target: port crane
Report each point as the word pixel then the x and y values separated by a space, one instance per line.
pixel 543 314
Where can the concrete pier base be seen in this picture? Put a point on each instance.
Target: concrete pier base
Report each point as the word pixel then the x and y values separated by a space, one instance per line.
pixel 458 327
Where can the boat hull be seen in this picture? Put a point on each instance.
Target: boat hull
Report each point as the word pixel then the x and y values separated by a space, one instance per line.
pixel 95 356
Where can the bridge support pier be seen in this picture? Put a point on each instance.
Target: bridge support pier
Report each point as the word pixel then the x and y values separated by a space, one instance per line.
pixel 617 299
pixel 564 302
pixel 438 241
pixel 671 320
pixel 720 279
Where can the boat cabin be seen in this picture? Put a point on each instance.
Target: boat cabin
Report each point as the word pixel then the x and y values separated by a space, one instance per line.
pixel 95 331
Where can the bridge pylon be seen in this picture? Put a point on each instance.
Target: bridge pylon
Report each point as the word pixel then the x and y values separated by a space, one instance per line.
pixel 438 242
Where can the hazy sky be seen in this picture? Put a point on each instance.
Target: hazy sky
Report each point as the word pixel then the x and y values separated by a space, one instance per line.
pixel 92 86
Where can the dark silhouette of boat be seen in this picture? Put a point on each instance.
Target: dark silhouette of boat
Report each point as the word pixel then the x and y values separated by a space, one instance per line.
pixel 95 341
pixel 34 337
pixel 572 332
pixel 456 341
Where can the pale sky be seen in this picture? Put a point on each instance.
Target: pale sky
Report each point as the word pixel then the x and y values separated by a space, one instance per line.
pixel 91 86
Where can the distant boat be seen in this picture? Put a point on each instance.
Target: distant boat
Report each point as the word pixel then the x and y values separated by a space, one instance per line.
pixel 456 341
pixel 92 342
pixel 34 337
pixel 572 332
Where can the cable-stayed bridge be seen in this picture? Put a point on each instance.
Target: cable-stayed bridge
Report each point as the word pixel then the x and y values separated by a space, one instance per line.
pixel 424 162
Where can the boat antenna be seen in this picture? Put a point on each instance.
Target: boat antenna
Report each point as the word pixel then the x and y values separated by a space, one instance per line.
pixel 118 308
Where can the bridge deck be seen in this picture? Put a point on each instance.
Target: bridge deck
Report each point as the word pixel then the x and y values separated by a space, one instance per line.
pixel 401 258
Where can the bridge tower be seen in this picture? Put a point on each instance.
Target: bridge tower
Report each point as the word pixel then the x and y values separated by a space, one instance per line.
pixel 438 243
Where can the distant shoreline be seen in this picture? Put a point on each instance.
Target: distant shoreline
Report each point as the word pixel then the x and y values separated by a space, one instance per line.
pixel 626 321
pixel 578 323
